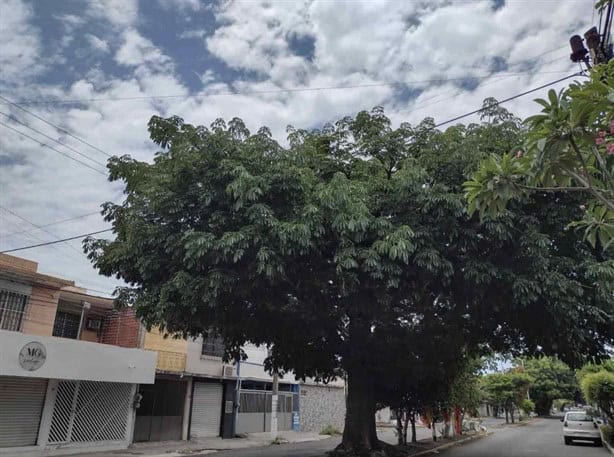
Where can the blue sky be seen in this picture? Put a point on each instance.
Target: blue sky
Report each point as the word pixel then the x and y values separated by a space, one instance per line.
pixel 236 58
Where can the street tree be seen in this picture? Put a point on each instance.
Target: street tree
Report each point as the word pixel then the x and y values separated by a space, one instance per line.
pixel 507 391
pixel 552 379
pixel 330 248
pixel 569 148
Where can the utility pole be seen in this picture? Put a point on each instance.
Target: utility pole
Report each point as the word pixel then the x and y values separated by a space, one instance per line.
pixel 235 416
pixel 274 402
pixel 598 41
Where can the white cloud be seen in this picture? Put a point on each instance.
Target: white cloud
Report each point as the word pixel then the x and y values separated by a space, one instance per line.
pixel 97 43
pixel 120 13
pixel 191 5
pixel 19 43
pixel 193 34
pixel 137 50
pixel 357 43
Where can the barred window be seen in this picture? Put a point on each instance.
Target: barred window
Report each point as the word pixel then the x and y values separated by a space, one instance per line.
pixel 66 325
pixel 12 310
pixel 213 346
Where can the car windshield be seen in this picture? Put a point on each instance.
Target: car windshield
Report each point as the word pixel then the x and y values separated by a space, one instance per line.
pixel 583 417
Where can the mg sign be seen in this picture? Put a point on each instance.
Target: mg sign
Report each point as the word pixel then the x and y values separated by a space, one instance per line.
pixel 32 356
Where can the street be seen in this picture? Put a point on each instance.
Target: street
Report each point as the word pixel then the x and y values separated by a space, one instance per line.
pixel 542 438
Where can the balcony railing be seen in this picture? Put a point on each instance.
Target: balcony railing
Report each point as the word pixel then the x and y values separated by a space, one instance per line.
pixel 171 361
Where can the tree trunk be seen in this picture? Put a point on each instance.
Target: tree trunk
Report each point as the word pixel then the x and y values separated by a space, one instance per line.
pixel 399 428
pixel 434 431
pixel 512 414
pixel 405 422
pixel 359 433
pixel 507 417
pixel 543 406
pixel 412 419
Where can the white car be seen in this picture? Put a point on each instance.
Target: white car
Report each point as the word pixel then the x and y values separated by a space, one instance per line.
pixel 579 425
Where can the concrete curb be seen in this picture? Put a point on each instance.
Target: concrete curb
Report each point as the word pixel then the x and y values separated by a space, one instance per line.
pixel 451 444
pixel 606 444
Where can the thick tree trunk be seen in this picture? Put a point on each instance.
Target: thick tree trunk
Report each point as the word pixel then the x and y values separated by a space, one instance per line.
pixel 434 430
pixel 412 419
pixel 543 406
pixel 507 417
pixel 359 433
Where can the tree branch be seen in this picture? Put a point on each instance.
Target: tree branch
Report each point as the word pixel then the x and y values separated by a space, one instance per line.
pixel 555 189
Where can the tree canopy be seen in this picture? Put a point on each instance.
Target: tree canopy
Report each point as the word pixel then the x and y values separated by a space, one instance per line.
pixel 345 245
pixel 569 147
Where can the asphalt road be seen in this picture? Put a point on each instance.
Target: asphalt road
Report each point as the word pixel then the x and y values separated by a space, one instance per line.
pixel 542 438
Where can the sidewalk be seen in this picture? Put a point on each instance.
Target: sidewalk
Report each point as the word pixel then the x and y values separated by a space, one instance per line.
pixel 205 445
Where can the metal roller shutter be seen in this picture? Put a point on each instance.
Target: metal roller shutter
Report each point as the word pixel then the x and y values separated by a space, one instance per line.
pixel 206 410
pixel 21 406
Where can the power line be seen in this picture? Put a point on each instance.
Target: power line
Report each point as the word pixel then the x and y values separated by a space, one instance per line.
pixel 535 89
pixel 14 119
pixel 50 224
pixel 54 149
pixel 268 91
pixel 66 132
pixel 76 237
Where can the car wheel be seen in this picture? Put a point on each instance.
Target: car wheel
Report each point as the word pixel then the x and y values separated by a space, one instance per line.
pixel 567 440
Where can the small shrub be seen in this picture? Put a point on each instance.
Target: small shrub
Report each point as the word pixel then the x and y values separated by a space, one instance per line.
pixel 608 433
pixel 278 440
pixel 330 430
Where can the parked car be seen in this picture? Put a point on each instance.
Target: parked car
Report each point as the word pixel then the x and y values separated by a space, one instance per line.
pixel 579 425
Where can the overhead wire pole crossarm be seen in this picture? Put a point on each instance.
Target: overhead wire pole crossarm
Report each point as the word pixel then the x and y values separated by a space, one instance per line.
pixel 76 237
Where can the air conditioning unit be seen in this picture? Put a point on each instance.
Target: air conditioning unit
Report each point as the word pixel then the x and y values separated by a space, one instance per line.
pixel 94 323
pixel 228 371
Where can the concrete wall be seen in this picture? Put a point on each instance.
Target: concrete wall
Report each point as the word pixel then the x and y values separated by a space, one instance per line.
pixel 80 360
pixel 197 363
pixel 40 311
pixel 321 405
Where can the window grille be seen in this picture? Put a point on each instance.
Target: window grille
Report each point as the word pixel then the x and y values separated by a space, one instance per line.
pixel 12 310
pixel 213 346
pixel 66 325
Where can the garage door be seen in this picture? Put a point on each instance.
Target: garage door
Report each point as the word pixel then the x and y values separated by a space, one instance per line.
pixel 21 405
pixel 206 410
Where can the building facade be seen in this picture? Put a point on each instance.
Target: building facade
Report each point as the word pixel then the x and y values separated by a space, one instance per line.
pixel 70 366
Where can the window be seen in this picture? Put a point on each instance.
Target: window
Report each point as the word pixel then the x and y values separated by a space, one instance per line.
pixel 66 325
pixel 213 346
pixel 12 310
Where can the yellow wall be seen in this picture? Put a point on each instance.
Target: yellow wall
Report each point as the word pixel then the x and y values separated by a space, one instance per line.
pixel 171 352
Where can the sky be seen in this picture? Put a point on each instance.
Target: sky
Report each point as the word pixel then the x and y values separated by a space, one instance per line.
pixel 85 75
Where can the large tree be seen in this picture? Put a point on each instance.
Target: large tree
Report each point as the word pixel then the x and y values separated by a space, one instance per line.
pixel 552 379
pixel 334 249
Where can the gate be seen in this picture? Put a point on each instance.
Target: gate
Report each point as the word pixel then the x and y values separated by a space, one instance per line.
pixel 89 411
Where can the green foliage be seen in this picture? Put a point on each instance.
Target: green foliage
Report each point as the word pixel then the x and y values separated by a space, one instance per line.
pixel 527 406
pixel 568 148
pixel 598 388
pixel 350 252
pixel 608 433
pixel 330 430
pixel 552 379
pixel 590 368
pixel 506 390
pixel 560 403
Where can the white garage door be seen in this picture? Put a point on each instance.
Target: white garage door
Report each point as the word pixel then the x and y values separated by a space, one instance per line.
pixel 206 410
pixel 21 405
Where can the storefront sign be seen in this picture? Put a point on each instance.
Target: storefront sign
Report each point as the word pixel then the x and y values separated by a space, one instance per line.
pixel 32 356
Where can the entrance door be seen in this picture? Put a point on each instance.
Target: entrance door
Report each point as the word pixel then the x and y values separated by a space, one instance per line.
pixel 160 416
pixel 206 410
